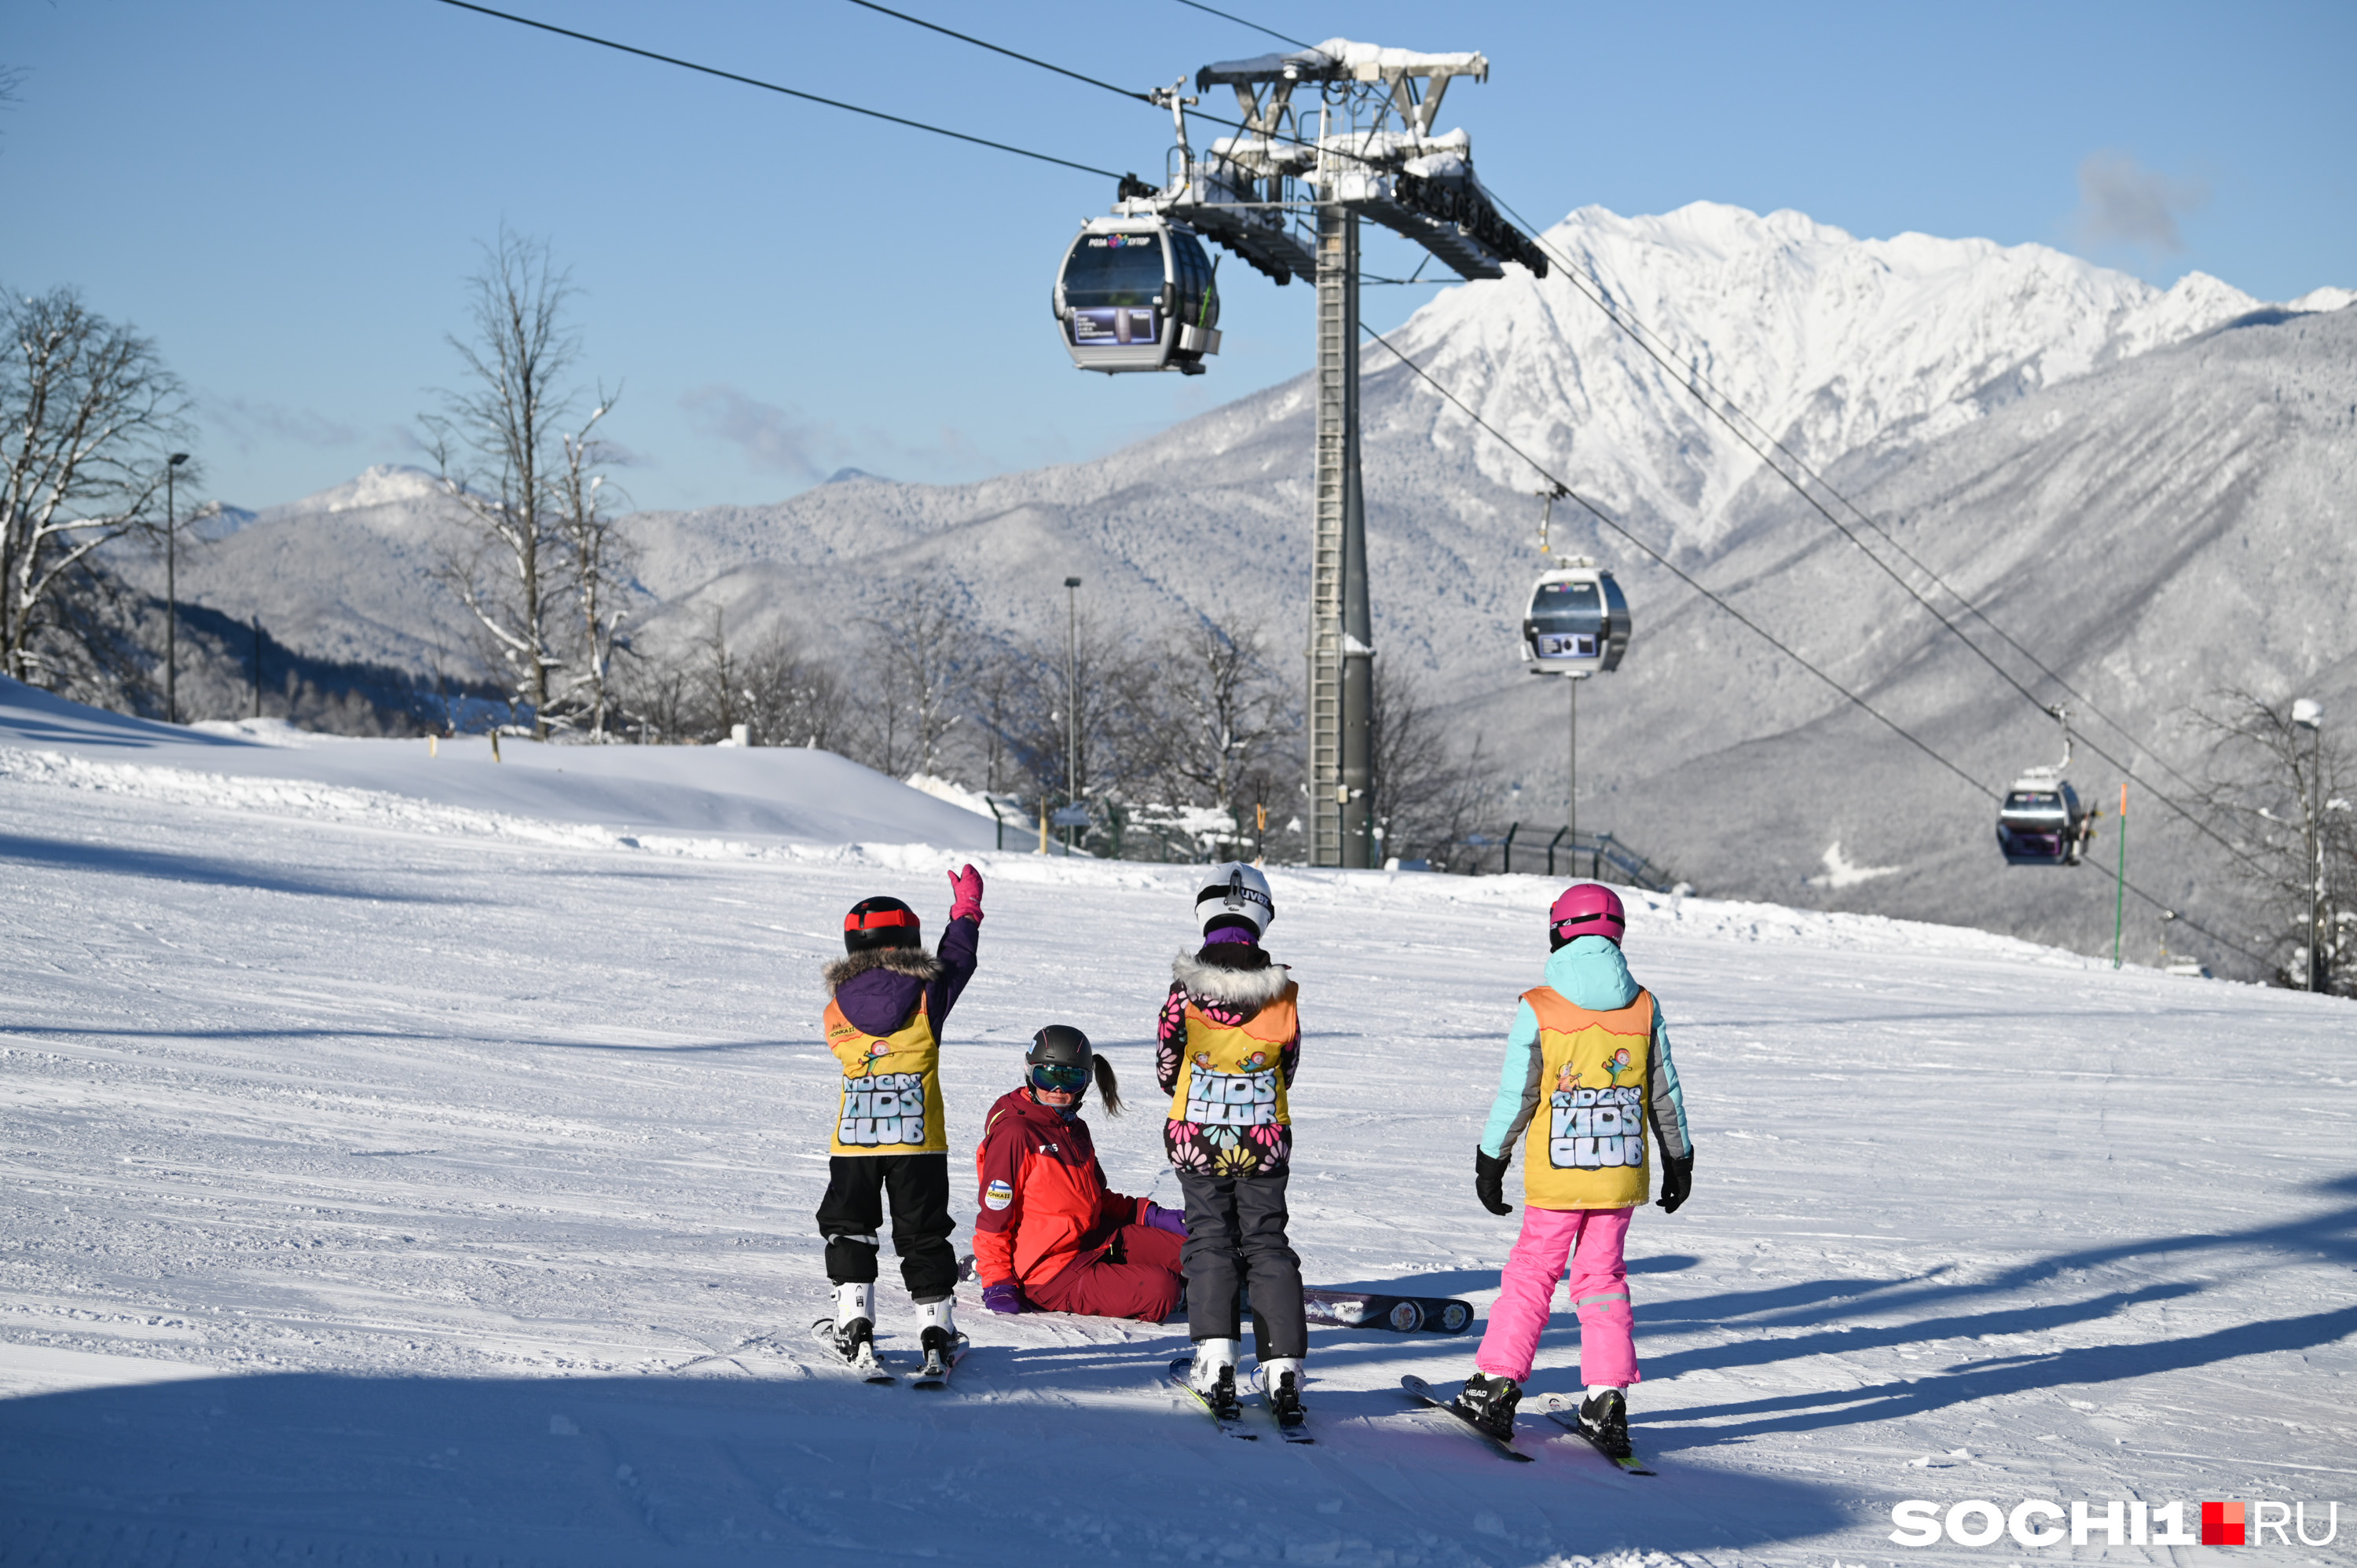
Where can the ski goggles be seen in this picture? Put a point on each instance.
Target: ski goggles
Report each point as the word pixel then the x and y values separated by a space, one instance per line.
pixel 1059 1076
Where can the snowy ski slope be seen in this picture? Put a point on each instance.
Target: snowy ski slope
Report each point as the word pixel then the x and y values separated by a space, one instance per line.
pixel 405 1171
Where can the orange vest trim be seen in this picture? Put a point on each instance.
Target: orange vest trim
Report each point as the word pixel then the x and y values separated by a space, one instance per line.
pixel 1584 1147
pixel 891 1101
pixel 1231 1077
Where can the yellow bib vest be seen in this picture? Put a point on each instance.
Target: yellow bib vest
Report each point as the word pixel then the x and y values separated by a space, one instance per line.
pixel 891 1087
pixel 1586 1144
pixel 1231 1077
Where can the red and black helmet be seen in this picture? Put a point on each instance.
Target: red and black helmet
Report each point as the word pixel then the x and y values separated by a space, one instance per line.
pixel 876 923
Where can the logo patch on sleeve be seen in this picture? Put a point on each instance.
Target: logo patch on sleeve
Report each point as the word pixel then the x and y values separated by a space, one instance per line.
pixel 998 1194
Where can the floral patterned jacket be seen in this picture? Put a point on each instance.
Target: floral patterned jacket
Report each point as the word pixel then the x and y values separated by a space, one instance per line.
pixel 1230 982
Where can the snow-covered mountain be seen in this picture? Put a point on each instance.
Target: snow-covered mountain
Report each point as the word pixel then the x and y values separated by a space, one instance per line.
pixel 2148 486
pixel 1828 341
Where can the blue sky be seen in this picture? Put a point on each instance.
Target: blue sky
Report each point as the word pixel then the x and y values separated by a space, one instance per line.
pixel 287 195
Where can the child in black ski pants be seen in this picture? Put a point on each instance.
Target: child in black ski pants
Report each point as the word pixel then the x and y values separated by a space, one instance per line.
pixel 1227 1046
pixel 888 999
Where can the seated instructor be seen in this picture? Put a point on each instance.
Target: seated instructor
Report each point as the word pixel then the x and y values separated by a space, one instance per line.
pixel 1049 1236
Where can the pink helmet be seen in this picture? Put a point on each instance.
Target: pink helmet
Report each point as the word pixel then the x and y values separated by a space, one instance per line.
pixel 1586 909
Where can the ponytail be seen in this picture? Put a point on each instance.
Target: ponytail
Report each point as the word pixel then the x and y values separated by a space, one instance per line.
pixel 1108 1086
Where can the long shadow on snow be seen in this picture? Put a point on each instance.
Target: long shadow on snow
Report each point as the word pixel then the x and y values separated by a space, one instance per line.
pixel 160 865
pixel 592 1471
pixel 2009 1375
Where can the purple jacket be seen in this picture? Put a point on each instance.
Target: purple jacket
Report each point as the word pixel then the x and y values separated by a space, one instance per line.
pixel 878 991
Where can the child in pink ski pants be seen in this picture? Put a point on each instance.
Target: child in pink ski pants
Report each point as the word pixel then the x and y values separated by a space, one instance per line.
pixel 1587 1093
pixel 1589 1242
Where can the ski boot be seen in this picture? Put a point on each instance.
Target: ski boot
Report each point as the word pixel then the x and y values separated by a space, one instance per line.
pixel 1280 1381
pixel 853 1332
pixel 938 1336
pixel 1489 1403
pixel 1213 1377
pixel 1604 1415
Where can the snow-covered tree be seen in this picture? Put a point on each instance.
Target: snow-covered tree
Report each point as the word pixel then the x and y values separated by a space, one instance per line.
pixel 2286 794
pixel 87 413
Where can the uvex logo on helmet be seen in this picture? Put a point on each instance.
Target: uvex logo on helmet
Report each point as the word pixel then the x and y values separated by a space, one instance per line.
pixel 1586 909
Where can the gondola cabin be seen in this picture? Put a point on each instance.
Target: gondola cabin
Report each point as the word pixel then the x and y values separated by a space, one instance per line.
pixel 1138 294
pixel 2042 821
pixel 1577 623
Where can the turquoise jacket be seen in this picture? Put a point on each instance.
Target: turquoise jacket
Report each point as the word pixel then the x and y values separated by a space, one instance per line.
pixel 1587 971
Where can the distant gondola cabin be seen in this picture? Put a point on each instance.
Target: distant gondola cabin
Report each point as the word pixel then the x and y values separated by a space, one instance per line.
pixel 1579 622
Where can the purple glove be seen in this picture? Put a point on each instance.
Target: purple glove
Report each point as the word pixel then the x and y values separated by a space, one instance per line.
pixel 965 895
pixel 1161 1219
pixel 1004 1296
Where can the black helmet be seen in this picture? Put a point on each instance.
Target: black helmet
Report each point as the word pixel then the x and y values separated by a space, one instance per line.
pixel 1060 1061
pixel 1061 1044
pixel 876 923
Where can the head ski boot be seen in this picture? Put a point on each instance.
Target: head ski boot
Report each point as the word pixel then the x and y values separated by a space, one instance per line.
pixel 1489 1403
pixel 1213 1376
pixel 1604 1414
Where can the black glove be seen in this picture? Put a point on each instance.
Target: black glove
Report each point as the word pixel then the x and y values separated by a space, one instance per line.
pixel 1490 1181
pixel 1677 1180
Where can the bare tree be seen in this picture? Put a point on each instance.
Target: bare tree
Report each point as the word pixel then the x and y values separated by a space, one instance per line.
pixel 497 443
pixel 1218 712
pixel 87 409
pixel 597 564
pixel 792 697
pixel 920 656
pixel 1431 792
pixel 2283 792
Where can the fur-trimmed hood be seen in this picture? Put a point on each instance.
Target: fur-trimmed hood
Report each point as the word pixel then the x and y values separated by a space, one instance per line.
pixel 915 963
pixel 1255 988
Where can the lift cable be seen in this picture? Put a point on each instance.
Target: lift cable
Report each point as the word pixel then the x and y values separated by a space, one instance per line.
pixel 1256 26
pixel 1666 563
pixel 1582 280
pixel 789 91
pixel 994 48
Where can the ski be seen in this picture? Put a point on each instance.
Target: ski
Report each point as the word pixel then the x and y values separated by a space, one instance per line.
pixel 1229 1425
pixel 1417 1389
pixel 936 1372
pixel 1566 1413
pixel 1299 1430
pixel 1399 1314
pixel 865 1363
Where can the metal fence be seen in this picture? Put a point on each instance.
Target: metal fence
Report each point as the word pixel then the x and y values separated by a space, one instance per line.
pixel 1559 852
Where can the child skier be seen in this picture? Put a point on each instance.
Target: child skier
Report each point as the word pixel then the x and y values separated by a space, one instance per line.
pixel 1588 1072
pixel 887 1000
pixel 1227 1047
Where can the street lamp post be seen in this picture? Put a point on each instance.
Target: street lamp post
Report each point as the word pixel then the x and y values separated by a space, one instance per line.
pixel 1072 695
pixel 2305 714
pixel 172 591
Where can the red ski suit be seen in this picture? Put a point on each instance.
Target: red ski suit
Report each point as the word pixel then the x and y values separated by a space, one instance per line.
pixel 1045 1219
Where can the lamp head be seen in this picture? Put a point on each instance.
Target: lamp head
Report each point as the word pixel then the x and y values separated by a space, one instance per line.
pixel 1071 582
pixel 178 458
pixel 2306 714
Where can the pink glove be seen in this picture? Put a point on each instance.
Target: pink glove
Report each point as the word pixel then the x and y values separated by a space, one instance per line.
pixel 965 895
pixel 1161 1219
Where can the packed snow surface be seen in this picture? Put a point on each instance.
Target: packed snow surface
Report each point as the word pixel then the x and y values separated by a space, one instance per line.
pixel 399 1171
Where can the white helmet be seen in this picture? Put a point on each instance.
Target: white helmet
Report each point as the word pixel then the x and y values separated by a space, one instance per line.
pixel 1236 891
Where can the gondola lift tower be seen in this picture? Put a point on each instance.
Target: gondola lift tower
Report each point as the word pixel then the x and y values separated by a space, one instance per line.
pixel 1330 136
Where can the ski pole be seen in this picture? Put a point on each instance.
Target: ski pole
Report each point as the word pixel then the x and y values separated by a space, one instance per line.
pixel 2120 888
